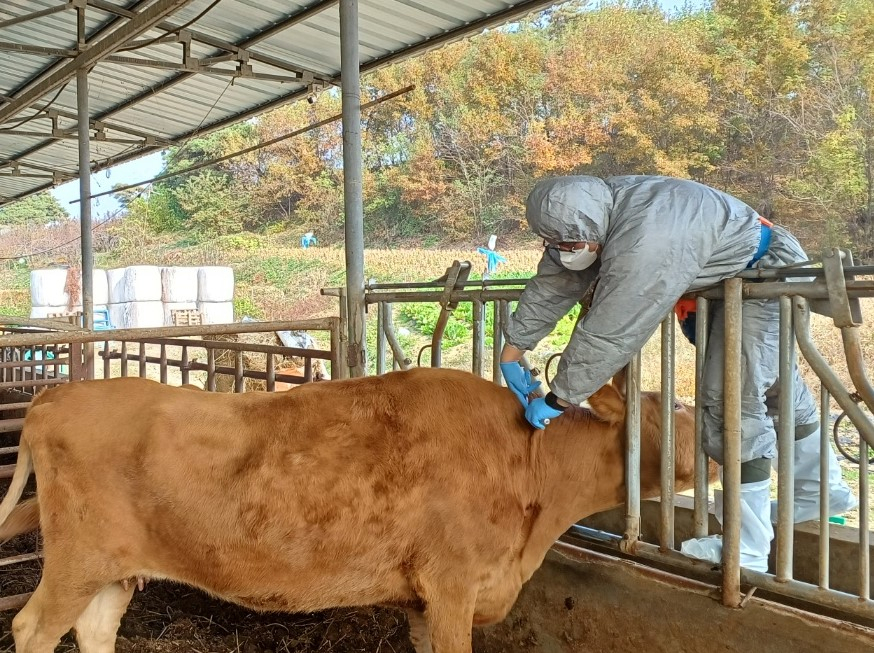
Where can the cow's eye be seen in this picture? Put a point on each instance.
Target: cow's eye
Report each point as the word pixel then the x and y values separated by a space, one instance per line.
pixel 677 405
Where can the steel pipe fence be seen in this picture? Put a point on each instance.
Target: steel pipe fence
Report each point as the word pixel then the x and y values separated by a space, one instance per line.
pixel 34 357
pixel 833 289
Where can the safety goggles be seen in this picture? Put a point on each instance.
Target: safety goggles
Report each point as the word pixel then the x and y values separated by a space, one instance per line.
pixel 565 247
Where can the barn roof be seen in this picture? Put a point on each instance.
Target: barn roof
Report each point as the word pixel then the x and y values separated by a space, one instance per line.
pixel 163 71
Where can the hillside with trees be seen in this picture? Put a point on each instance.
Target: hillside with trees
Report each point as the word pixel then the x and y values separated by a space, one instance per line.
pixel 767 99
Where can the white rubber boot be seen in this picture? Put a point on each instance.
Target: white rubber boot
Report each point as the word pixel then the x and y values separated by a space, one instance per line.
pixel 841 498
pixel 756 531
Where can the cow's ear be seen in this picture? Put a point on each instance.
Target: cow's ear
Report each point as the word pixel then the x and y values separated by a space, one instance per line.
pixel 619 381
pixel 608 405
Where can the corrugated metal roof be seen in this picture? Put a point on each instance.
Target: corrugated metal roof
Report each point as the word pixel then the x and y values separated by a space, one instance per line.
pixel 134 101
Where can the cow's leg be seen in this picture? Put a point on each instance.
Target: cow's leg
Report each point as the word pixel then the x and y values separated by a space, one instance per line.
pixel 47 616
pixel 450 621
pixel 419 634
pixel 97 626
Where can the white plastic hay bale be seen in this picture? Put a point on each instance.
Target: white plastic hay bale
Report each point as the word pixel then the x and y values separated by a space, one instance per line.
pixel 47 287
pixel 144 315
pixel 118 316
pixel 179 284
pixel 216 312
pixel 215 284
pixel 142 283
pixel 100 287
pixel 169 307
pixel 115 285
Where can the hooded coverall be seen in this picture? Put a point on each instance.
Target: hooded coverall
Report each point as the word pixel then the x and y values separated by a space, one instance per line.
pixel 660 238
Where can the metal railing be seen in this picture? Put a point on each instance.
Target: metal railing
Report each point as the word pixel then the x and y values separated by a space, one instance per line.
pixel 35 354
pixel 832 289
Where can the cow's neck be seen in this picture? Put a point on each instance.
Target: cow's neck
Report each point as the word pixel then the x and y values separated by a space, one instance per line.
pixel 578 471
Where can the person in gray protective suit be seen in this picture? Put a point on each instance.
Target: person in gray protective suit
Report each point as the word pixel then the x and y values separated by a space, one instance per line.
pixel 649 240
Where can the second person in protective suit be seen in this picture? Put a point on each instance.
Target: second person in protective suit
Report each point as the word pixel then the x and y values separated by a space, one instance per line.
pixel 649 240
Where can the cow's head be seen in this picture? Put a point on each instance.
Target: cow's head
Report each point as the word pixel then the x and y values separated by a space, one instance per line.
pixel 609 405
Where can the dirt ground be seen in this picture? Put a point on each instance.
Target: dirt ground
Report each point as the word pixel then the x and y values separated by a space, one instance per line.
pixel 171 618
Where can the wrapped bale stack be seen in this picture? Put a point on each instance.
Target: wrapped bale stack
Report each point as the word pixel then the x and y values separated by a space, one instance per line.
pixel 50 291
pixel 135 297
pixel 179 291
pixel 215 294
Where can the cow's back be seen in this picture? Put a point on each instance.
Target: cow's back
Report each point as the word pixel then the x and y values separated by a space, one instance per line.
pixel 345 486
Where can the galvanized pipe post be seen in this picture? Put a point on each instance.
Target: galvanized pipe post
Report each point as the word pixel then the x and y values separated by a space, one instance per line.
pixel 353 202
pixel 702 330
pixel 381 340
pixel 84 134
pixel 666 532
pixel 497 342
pixel 786 445
pixel 632 456
pixel 824 526
pixel 479 338
pixel 733 312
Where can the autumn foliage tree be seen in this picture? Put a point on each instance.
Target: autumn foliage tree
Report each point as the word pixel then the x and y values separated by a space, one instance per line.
pixel 770 100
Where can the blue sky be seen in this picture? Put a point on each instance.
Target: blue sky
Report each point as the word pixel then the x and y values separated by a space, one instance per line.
pixel 150 166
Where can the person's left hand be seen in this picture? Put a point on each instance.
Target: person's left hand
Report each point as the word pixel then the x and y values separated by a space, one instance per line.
pixel 538 410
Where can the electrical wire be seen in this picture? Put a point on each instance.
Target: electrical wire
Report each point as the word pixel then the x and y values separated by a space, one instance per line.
pixel 177 29
pixel 171 160
pixel 38 114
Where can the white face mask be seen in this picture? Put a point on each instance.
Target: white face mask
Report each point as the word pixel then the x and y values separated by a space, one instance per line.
pixel 578 260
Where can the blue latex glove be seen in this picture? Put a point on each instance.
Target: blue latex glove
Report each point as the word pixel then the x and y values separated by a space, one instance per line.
pixel 538 411
pixel 519 381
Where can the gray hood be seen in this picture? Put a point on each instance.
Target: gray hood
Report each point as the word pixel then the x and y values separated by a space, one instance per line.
pixel 570 209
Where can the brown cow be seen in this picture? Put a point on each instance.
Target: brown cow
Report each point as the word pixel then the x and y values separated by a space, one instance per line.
pixel 425 489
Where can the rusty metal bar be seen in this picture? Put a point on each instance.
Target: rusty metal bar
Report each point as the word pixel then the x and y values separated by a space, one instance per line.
pixel 864 527
pixel 666 531
pixel 142 360
pixel 786 445
pixel 25 383
pixel 163 363
pixel 247 374
pixel 731 595
pixel 308 370
pixel 123 359
pixel 107 363
pixel 34 363
pixel 824 524
pixel 631 538
pixel 270 370
pixel 479 338
pixel 400 360
pixel 702 332
pixel 381 341
pixel 14 406
pixel 79 335
pixel 337 367
pixel 239 384
pixel 322 354
pixel 497 343
pixel 210 370
pixel 184 365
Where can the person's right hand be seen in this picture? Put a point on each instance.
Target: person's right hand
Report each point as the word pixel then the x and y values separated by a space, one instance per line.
pixel 519 381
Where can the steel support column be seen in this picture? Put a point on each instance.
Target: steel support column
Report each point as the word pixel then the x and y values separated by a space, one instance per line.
pixel 85 213
pixel 353 202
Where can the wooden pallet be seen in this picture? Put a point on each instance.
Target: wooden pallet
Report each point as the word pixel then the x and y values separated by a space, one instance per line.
pixel 186 317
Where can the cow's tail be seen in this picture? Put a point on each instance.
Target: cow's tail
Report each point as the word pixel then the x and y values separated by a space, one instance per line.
pixel 23 468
